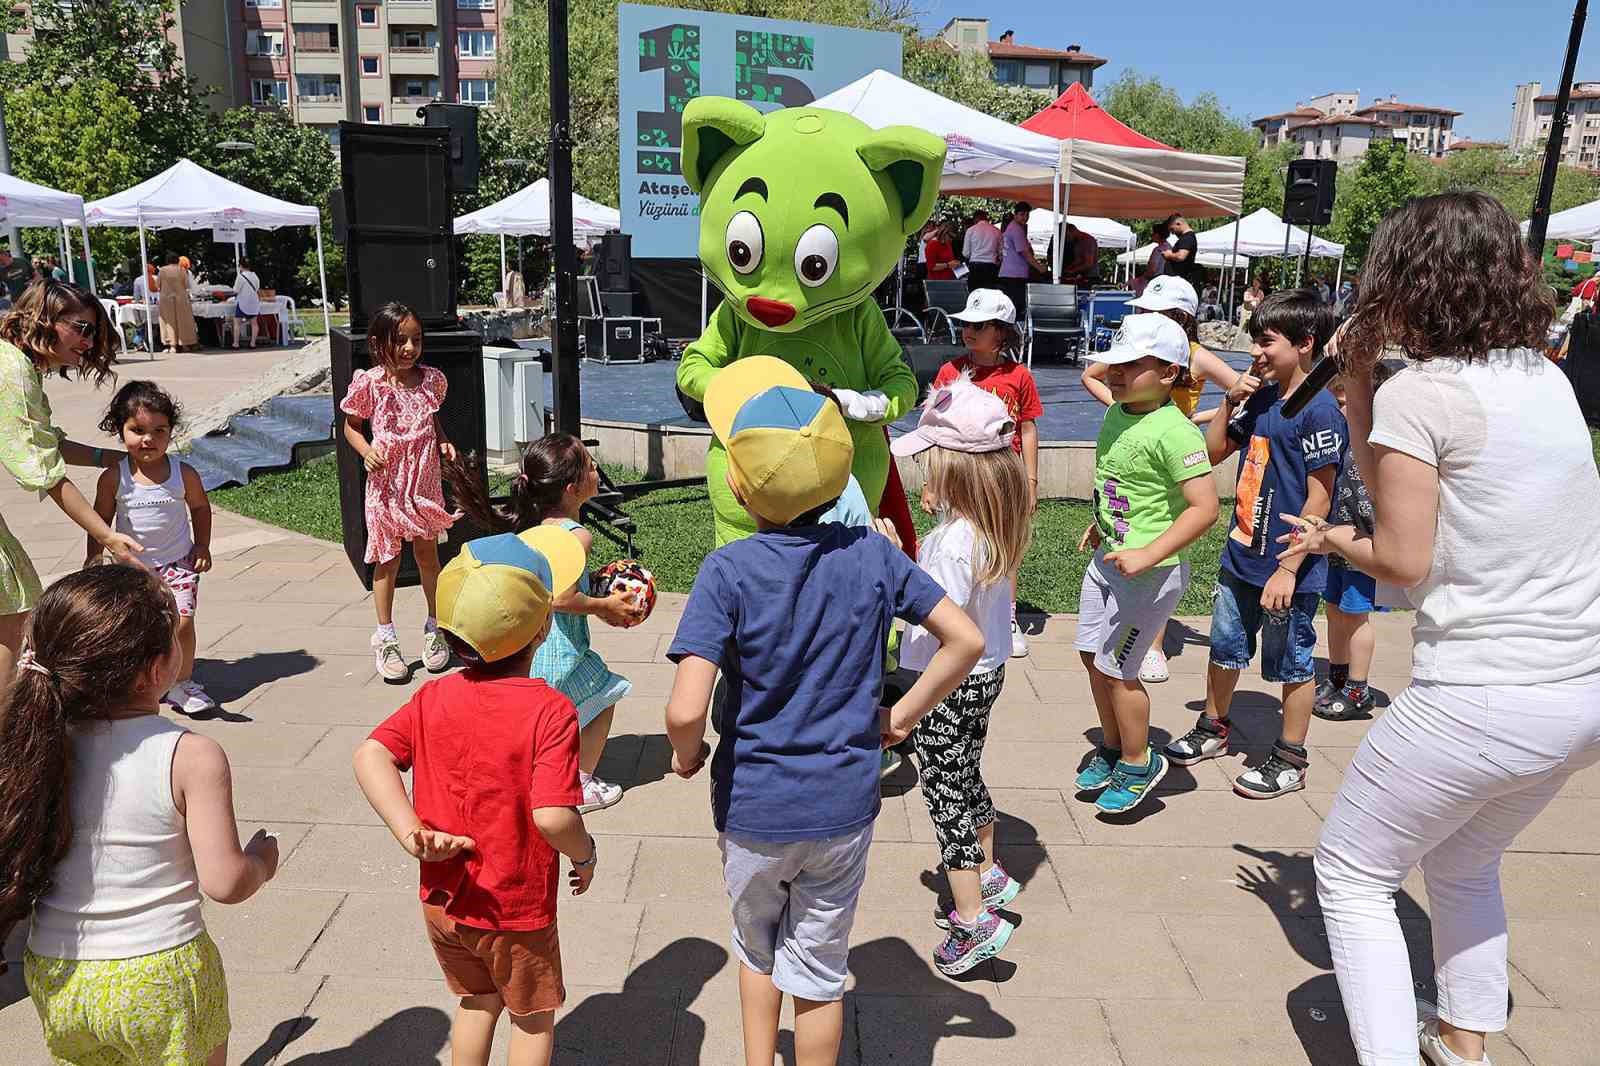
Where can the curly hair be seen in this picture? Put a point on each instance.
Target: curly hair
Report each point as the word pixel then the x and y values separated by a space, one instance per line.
pixel 1448 277
pixel 31 326
pixel 140 396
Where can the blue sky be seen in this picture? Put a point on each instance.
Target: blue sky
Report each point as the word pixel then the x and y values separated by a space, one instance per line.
pixel 1261 57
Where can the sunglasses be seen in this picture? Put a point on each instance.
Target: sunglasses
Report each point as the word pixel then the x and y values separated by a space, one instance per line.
pixel 85 329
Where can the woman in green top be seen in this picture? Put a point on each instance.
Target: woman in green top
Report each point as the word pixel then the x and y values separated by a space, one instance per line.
pixel 52 326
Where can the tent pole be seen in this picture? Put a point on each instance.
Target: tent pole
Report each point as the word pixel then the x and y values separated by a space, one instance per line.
pixel 322 276
pixel 503 284
pixel 149 314
pixel 1055 242
pixel 1338 278
pixel 88 255
pixel 1233 266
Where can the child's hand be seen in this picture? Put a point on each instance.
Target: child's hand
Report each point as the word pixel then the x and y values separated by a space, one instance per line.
pixel 1243 388
pixel 927 501
pixel 200 559
pixel 1279 591
pixel 1090 541
pixel 1033 497
pixel 889 733
pixel 447 450
pixel 687 772
pixel 580 877
pixel 1306 536
pixel 1131 562
pixel 886 527
pixel 373 460
pixel 264 846
pixel 621 609
pixel 433 845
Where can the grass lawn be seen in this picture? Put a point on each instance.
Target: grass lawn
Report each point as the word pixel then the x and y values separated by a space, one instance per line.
pixel 311 319
pixel 674 533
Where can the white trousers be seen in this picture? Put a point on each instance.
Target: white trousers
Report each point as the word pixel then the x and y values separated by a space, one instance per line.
pixel 1447 777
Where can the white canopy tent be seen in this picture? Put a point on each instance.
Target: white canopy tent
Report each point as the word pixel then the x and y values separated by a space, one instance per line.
pixel 1262 233
pixel 1581 223
pixel 188 196
pixel 22 203
pixel 1214 260
pixel 526 213
pixel 1042 226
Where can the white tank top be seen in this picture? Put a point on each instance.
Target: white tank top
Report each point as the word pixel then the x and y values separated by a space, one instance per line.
pixel 127 885
pixel 155 515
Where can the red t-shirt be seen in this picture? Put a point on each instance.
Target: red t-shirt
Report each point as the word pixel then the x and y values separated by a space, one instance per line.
pixel 1588 288
pixel 1007 379
pixel 936 251
pixel 484 753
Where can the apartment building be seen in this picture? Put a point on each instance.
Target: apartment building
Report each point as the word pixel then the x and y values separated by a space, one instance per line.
pixel 1335 126
pixel 366 60
pixel 1022 65
pixel 1534 112
pixel 1425 130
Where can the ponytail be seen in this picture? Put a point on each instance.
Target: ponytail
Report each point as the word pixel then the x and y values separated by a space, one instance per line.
pixel 549 465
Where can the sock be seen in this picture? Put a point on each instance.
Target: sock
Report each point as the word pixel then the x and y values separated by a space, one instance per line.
pixel 1356 690
pixel 584 778
pixel 386 632
pixel 1338 673
pixel 431 625
pixel 1112 755
pixel 1142 765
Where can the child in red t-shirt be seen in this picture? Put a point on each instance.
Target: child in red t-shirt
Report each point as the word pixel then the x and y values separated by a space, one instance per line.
pixel 989 330
pixel 494 761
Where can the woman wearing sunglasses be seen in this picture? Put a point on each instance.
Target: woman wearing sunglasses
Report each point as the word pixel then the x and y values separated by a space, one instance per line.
pixel 52 326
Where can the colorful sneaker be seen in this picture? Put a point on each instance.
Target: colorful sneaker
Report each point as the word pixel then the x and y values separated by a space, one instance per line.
pixel 1094 777
pixel 1282 773
pixel 1019 643
pixel 999 888
pixel 1154 670
pixel 189 698
pixel 1433 1050
pixel 888 763
pixel 598 795
pixel 967 945
pixel 392 665
pixel 435 651
pixel 1341 706
pixel 1131 785
pixel 1207 740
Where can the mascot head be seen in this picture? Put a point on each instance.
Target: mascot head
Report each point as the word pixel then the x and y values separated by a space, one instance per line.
pixel 803 212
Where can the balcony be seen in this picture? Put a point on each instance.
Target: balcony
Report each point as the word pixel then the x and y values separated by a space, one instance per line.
pixel 411 13
pixel 423 60
pixel 318 62
pixel 476 5
pixel 319 108
pixel 316 11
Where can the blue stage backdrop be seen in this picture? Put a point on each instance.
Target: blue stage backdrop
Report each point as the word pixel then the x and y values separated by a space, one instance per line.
pixel 667 56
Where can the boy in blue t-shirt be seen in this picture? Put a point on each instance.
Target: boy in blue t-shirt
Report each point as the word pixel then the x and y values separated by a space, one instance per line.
pixel 796 617
pixel 1288 467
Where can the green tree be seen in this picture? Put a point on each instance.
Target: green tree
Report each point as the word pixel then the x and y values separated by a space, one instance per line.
pixel 1386 177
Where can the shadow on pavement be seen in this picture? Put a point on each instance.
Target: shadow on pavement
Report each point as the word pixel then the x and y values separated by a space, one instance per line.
pixel 903 1008
pixel 608 1027
pixel 412 1037
pixel 228 681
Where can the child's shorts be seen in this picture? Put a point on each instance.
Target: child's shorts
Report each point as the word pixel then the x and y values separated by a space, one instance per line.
pixel 1288 638
pixel 165 1009
pixel 523 967
pixel 1119 618
pixel 185 586
pixel 793 907
pixel 1351 591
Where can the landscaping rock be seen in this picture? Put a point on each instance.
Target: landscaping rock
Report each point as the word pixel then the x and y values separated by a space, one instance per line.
pixel 1224 336
pixel 303 370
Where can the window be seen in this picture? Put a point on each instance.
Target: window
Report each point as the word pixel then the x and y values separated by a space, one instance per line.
pixel 332 133
pixel 317 88
pixel 969 36
pixel 367 16
pixel 477 90
pixel 316 37
pixel 263 43
pixel 413 39
pixel 372 113
pixel 371 67
pixel 263 3
pixel 475 44
pixel 416 88
pixel 1006 72
pixel 1036 75
pixel 1591 140
pixel 264 91
pixel 475 5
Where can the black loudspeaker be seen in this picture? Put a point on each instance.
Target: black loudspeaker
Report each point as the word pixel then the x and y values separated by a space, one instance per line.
pixel 336 215
pixel 459 354
pixel 462 122
pixel 399 226
pixel 613 263
pixel 617 303
pixel 1308 192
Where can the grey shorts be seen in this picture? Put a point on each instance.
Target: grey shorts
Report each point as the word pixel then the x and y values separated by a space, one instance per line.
pixel 793 906
pixel 1119 618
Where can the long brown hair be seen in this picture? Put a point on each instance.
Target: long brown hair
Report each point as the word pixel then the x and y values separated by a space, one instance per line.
pixel 990 490
pixel 383 331
pixel 549 465
pixel 31 326
pixel 93 633
pixel 1448 277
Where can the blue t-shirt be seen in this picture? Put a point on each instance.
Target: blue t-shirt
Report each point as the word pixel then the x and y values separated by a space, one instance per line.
pixel 851 508
pixel 797 619
pixel 1278 456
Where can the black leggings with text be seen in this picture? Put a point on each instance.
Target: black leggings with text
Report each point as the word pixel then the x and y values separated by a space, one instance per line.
pixel 949 748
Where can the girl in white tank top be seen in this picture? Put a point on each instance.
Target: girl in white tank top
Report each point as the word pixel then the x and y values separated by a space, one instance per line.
pixel 118 963
pixel 159 502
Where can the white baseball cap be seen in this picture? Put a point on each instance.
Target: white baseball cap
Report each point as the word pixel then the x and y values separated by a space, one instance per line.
pixel 1167 292
pixel 1148 334
pixel 988 305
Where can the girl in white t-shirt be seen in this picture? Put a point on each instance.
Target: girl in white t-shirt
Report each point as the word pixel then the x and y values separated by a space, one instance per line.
pixel 247 302
pixel 110 871
pixel 979 488
pixel 1488 513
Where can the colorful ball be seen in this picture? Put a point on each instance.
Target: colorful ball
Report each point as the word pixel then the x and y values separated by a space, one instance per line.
pixel 627 575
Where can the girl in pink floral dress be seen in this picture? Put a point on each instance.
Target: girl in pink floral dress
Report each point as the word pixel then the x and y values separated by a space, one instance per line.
pixel 405 498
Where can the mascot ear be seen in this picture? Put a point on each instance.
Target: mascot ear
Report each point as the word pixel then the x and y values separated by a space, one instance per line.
pixel 712 127
pixel 913 161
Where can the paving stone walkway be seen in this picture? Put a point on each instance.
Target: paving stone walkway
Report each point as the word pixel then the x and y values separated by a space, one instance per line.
pixel 1186 935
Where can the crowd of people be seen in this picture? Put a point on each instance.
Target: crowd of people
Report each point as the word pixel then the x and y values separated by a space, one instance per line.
pixel 171 288
pixel 1441 483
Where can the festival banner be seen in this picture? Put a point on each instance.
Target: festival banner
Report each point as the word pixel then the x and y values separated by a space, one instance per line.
pixel 668 56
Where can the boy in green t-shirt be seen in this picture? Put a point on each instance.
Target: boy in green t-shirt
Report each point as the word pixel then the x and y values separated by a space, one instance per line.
pixel 1153 497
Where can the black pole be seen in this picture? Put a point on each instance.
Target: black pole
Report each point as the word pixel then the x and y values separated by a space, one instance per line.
pixel 564 332
pixel 1540 221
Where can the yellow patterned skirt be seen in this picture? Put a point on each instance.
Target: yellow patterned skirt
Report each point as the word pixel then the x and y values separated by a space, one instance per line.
pixel 19 581
pixel 165 1009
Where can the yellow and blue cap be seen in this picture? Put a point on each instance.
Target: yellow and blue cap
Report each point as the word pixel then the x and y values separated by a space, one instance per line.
pixel 495 595
pixel 789 450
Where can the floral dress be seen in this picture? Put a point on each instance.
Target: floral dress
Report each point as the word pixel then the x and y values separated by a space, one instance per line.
pixel 405 496
pixel 30 448
pixel 567 663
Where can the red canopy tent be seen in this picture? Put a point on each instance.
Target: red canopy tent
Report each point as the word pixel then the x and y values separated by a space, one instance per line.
pixel 1075 115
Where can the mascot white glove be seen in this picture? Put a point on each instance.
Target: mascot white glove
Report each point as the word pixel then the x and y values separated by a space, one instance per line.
pixel 862 406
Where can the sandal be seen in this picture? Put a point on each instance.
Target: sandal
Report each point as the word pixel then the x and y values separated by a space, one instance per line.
pixel 1339 707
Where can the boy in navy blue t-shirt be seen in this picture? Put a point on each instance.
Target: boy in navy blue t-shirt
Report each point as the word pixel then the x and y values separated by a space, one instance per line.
pixel 796 617
pixel 1288 466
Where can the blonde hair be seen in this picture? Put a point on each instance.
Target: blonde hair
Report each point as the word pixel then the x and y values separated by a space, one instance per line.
pixel 990 490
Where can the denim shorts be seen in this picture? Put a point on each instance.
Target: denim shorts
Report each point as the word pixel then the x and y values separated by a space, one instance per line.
pixel 1351 591
pixel 1288 638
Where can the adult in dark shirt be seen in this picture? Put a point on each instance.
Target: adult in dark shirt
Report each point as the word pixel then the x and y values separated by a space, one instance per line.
pixel 14 274
pixel 1183 257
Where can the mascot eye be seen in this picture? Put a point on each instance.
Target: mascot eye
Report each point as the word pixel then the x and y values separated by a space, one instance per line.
pixel 744 242
pixel 816 255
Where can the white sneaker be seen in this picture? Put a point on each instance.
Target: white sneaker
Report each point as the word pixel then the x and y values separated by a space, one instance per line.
pixel 1019 643
pixel 391 662
pixel 598 795
pixel 1432 1048
pixel 189 698
pixel 435 651
pixel 1153 670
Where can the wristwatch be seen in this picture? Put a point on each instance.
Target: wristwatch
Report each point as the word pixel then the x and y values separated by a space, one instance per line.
pixel 594 855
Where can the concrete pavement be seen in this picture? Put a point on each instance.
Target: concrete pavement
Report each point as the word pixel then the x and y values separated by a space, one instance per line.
pixel 1186 934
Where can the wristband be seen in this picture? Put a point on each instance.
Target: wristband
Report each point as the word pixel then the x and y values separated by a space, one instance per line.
pixel 594 856
pixel 1291 573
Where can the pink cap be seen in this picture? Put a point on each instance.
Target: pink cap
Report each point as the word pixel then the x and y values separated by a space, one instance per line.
pixel 959 416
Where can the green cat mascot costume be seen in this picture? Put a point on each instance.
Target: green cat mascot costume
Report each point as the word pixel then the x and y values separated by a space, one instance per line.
pixel 803 213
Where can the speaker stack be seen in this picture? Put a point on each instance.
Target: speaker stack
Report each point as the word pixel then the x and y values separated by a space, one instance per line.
pixel 1308 194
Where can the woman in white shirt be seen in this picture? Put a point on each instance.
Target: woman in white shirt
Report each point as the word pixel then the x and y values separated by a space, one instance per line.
pixel 1488 513
pixel 247 302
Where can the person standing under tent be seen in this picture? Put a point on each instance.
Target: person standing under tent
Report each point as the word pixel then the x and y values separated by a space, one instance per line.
pixel 1081 262
pixel 1018 264
pixel 178 330
pixel 980 247
pixel 1183 258
pixel 247 302
pixel 940 257
pixel 1156 265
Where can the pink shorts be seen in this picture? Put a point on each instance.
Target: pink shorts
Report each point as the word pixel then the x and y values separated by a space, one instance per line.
pixel 185 586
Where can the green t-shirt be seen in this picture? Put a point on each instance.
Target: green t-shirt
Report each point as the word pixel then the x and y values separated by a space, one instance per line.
pixel 1140 465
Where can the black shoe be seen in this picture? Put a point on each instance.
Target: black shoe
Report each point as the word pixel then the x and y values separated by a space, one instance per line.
pixel 1340 706
pixel 1207 740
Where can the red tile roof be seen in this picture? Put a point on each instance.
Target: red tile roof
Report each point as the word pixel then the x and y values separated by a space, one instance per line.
pixel 1466 144
pixel 1335 120
pixel 1394 105
pixel 1585 94
pixel 1005 50
pixel 1299 112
